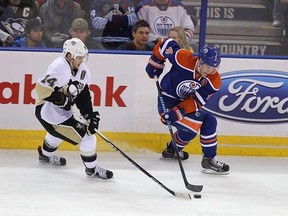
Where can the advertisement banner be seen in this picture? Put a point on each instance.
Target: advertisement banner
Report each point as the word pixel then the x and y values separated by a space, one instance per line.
pixel 251 103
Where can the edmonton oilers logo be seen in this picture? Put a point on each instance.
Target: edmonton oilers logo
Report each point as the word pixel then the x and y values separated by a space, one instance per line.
pixel 162 25
pixel 186 88
pixel 256 96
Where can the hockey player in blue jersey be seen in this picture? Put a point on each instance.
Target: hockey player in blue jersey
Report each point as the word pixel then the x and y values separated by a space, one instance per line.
pixel 186 88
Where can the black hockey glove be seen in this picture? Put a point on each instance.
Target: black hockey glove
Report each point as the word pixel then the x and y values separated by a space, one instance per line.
pixel 154 67
pixel 93 119
pixel 69 102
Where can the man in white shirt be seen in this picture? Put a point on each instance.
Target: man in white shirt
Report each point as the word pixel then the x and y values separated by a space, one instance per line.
pixel 163 15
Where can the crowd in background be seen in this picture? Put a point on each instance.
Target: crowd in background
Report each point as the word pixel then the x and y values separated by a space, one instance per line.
pixel 100 24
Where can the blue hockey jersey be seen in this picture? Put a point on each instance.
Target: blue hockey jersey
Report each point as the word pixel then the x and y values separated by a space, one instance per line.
pixel 182 85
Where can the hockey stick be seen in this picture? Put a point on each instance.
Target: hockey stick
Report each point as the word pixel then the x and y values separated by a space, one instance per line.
pixel 176 194
pixel 194 188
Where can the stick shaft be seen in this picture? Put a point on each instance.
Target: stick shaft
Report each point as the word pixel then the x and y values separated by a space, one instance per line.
pixel 181 195
pixel 195 188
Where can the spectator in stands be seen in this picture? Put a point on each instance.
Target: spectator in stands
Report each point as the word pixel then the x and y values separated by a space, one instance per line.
pixel 112 21
pixel 40 2
pixel 277 14
pixel 140 33
pixel 14 14
pixel 163 15
pixel 178 34
pixel 34 34
pixel 85 7
pixel 4 3
pixel 57 17
pixel 5 39
pixel 80 29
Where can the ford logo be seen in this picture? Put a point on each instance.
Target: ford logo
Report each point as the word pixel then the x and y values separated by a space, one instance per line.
pixel 258 96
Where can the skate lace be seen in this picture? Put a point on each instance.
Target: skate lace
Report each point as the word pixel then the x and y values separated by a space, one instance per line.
pixel 181 154
pixel 54 160
pixel 101 172
pixel 217 163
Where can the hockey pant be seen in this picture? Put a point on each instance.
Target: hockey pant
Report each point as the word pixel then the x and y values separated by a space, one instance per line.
pixel 190 125
pixel 71 131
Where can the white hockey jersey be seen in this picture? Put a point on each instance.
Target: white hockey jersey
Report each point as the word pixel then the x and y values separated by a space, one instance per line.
pixel 163 18
pixel 59 74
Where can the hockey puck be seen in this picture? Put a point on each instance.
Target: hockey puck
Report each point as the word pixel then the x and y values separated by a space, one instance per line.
pixel 197 196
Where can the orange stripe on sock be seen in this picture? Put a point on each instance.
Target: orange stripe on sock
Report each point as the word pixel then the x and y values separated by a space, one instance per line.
pixel 205 141
pixel 179 142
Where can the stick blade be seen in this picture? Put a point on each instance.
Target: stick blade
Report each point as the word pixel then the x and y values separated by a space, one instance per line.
pixel 182 195
pixel 194 188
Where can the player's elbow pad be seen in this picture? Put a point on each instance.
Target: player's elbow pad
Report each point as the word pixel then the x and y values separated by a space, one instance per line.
pixel 58 98
pixel 154 67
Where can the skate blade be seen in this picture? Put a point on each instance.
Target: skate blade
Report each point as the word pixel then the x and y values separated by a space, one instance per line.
pixel 209 171
pixel 168 159
pixel 171 159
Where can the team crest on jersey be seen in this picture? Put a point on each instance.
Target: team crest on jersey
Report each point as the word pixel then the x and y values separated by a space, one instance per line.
pixel 80 126
pixel 186 88
pixel 162 25
pixel 14 27
pixel 204 82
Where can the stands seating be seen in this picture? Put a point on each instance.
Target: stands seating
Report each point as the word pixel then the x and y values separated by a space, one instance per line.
pixel 240 27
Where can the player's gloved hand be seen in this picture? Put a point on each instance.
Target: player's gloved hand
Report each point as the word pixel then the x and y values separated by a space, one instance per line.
pixel 172 115
pixel 93 119
pixel 154 67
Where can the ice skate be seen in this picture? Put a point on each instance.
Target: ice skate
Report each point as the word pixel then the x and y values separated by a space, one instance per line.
pixel 52 160
pixel 212 166
pixel 99 172
pixel 169 154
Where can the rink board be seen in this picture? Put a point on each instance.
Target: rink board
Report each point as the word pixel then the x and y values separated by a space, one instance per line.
pixel 126 100
pixel 133 142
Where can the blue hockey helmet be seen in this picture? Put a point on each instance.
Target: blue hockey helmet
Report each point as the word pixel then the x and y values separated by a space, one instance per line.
pixel 210 56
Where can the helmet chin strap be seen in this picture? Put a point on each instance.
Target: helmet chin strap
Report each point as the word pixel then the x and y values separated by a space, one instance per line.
pixel 69 61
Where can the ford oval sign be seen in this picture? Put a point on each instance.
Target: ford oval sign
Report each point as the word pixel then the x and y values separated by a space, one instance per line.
pixel 258 96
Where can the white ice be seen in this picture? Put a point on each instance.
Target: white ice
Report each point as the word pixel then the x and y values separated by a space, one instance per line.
pixel 256 186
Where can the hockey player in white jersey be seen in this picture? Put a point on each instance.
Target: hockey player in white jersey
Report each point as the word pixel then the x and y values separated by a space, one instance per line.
pixel 66 83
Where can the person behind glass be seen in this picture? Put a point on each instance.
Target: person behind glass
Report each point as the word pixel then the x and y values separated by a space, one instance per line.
pixel 80 29
pixel 34 34
pixel 163 15
pixel 85 7
pixel 57 17
pixel 5 38
pixel 277 14
pixel 140 33
pixel 112 21
pixel 3 3
pixel 178 34
pixel 39 3
pixel 13 16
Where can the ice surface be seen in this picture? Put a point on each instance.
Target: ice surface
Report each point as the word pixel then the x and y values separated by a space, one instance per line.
pixel 256 186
